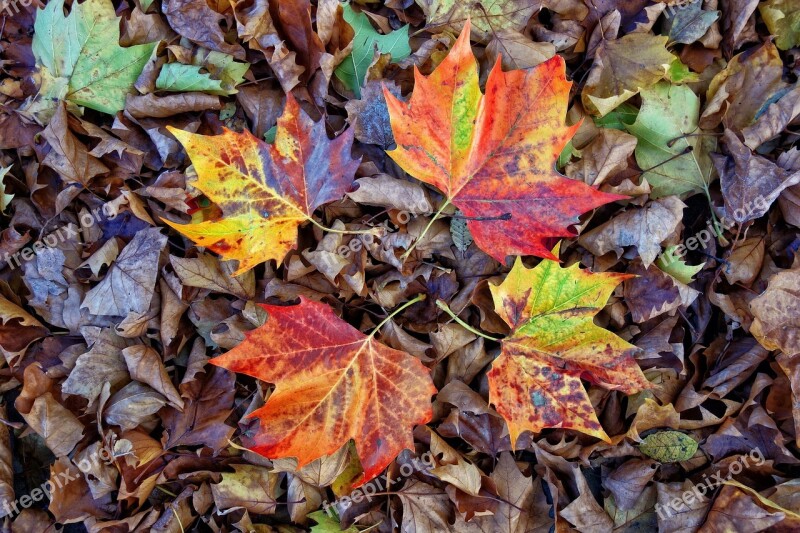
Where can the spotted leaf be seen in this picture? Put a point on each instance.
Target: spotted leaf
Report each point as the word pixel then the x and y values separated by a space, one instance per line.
pixel 332 384
pixel 494 155
pixel 535 383
pixel 266 191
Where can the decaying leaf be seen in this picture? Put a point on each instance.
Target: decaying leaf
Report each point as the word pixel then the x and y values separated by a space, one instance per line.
pixel 536 381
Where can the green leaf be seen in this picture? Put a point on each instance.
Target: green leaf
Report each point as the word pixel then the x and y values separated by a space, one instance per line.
pixel 675 267
pixel 669 446
pixel 5 199
pixel 80 58
pixel 672 150
pixel 210 72
pixel 353 70
pixel 782 18
pixel 619 119
pixel 680 73
pixel 328 524
pixel 177 77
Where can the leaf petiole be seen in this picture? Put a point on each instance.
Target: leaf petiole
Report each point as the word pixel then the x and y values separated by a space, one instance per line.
pixel 444 307
pixel 419 298
pixel 421 235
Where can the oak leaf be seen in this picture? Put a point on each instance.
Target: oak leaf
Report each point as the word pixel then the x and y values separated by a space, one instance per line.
pixel 266 191
pixel 493 155
pixel 332 384
pixel 535 383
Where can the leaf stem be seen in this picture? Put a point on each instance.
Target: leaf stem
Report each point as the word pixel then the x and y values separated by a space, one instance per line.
pixel 444 307
pixel 418 239
pixel 400 309
pixel 342 231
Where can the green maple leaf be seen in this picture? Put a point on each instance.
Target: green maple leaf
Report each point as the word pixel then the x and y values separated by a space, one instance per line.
pixel 80 59
pixel 353 70
pixel 210 72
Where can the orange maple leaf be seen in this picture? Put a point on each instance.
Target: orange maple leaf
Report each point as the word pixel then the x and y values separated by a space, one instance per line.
pixel 266 191
pixel 332 384
pixel 493 155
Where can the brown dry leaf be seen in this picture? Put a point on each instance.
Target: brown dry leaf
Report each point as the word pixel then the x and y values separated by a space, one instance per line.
pixel 734 507
pixel 774 121
pixel 102 364
pixel 604 157
pixel 18 330
pixel 517 51
pixel 209 272
pixel 646 228
pixel 776 313
pixel 750 183
pixel 680 516
pixel 453 468
pixel 738 93
pixel 145 365
pixel 386 191
pixel 128 286
pixel 425 508
pixel 196 21
pixel 629 480
pixel 60 429
pixel 745 261
pixel 622 68
pixel 252 487
pixel 68 155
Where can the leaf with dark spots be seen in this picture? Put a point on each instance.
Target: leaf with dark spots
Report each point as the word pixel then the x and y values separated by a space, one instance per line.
pixel 535 383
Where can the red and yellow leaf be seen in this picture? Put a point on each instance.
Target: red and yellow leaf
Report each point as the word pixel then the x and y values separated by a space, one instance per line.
pixel 332 384
pixel 494 155
pixel 535 383
pixel 266 191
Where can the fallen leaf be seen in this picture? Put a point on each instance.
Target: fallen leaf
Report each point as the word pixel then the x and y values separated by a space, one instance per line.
pixel 672 153
pixel 128 286
pixel 646 228
pixel 782 18
pixel 479 150
pixel 352 71
pixel 332 384
pixel 535 383
pixel 624 67
pixel 669 446
pixel 776 313
pixel 80 59
pixel 266 191
pixel 486 17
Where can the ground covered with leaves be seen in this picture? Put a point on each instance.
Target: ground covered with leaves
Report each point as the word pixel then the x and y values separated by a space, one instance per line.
pixel 414 265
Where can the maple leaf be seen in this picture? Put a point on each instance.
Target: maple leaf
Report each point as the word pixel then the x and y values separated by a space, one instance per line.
pixel 535 383
pixel 493 156
pixel 332 384
pixel 266 191
pixel 80 58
